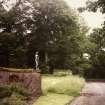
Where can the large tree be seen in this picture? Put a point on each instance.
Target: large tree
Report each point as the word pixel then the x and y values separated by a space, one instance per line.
pixel 48 26
pixel 13 24
pixel 56 34
pixel 97 54
pixel 97 42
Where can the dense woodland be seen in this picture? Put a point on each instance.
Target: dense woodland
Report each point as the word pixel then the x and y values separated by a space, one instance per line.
pixel 56 32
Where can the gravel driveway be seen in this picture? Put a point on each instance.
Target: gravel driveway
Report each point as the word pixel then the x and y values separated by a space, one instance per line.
pixel 92 94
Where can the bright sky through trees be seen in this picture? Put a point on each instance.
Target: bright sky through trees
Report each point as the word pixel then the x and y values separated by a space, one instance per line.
pixel 93 20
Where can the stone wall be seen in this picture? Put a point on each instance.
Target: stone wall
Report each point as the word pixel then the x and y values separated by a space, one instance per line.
pixel 30 80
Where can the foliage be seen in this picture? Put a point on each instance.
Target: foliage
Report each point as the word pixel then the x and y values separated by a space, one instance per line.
pixel 48 26
pixel 95 5
pixel 97 56
pixel 62 73
pixel 12 35
pixel 13 100
pixel 13 95
pixel 10 89
pixel 5 92
pixel 20 90
pixel 96 45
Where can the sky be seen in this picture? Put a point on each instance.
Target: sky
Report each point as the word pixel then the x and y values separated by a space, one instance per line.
pixel 93 20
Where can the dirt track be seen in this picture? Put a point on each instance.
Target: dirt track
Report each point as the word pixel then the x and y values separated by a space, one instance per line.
pixel 92 94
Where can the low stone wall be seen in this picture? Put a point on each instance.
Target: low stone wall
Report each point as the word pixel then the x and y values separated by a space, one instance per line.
pixel 29 80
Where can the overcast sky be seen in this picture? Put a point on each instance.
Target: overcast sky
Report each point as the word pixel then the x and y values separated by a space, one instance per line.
pixel 93 20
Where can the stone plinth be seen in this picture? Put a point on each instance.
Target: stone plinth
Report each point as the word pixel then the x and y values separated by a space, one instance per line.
pixel 29 80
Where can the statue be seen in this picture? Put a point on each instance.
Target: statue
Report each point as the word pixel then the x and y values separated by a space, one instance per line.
pixel 36 60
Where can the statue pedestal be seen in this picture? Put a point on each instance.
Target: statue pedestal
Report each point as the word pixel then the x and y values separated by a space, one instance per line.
pixel 29 80
pixel 37 70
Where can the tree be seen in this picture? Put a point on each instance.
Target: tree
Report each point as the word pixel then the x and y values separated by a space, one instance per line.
pixel 97 54
pixel 49 27
pixel 55 34
pixel 95 5
pixel 13 23
pixel 97 41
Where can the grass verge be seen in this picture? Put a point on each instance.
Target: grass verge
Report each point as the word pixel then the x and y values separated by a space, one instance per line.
pixel 53 99
pixel 59 90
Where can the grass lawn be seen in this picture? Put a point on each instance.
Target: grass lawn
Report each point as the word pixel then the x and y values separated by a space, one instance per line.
pixel 53 99
pixel 59 89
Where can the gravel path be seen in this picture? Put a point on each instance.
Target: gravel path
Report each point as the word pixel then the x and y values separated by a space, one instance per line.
pixel 92 94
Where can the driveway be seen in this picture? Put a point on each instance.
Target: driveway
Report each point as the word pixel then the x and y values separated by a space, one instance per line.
pixel 92 94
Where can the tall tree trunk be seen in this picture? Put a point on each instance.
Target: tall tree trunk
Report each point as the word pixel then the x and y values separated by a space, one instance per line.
pixel 46 58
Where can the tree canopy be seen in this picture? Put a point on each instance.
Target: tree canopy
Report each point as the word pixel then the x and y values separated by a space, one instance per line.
pixel 96 45
pixel 49 27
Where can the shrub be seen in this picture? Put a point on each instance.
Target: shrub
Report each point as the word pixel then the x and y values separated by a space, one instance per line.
pixel 62 73
pixel 44 69
pixel 8 90
pixel 13 95
pixel 13 100
pixel 20 90
pixel 5 91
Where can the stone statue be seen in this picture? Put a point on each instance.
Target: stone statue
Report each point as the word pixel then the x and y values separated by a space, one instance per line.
pixel 37 60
